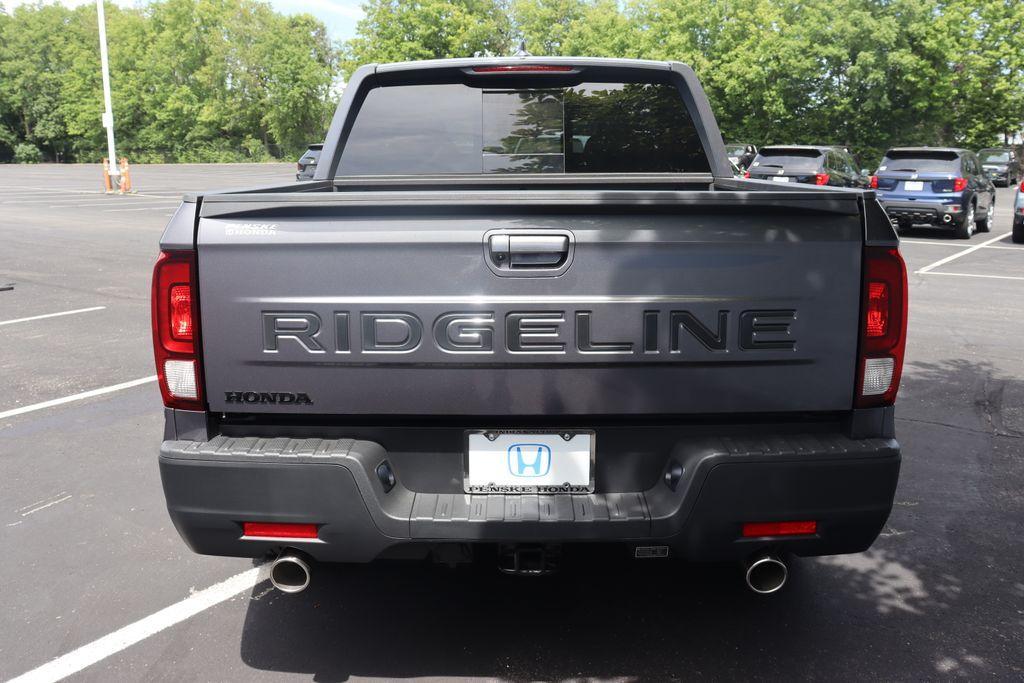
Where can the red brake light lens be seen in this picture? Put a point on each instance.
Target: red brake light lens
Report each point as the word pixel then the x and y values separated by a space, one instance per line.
pixel 180 316
pixel 877 315
pixel 873 180
pixel 522 68
pixel 959 184
pixel 278 530
pixel 746 174
pixel 821 178
pixel 759 529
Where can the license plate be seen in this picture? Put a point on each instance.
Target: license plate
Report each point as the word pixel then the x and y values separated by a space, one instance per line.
pixel 913 186
pixel 780 179
pixel 513 462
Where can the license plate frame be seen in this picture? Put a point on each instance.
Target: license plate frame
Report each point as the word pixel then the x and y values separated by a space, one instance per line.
pixel 500 442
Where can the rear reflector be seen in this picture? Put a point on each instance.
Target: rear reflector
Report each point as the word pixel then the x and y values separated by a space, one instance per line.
pixel 278 530
pixel 522 68
pixel 759 529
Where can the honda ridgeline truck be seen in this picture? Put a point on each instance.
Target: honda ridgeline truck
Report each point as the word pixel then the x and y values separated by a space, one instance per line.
pixel 524 305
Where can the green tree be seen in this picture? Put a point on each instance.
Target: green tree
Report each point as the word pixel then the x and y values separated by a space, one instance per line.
pixel 397 30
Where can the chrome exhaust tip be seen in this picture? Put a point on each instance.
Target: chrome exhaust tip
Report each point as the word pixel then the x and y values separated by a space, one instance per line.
pixel 766 574
pixel 947 218
pixel 289 573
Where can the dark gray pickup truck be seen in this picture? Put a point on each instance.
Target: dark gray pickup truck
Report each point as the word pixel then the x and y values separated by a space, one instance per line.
pixel 522 306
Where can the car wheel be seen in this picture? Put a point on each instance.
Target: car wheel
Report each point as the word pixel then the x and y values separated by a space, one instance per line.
pixel 986 225
pixel 965 228
pixel 1018 232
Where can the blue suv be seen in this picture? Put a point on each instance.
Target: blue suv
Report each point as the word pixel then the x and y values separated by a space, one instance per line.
pixel 939 186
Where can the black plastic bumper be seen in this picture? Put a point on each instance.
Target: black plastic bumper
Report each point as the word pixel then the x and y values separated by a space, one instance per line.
pixel 921 213
pixel 846 485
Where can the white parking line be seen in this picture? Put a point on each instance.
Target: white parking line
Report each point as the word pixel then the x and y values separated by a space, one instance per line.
pixel 143 208
pixel 119 640
pixel 953 245
pixel 50 504
pixel 953 257
pixel 990 277
pixel 76 397
pixel 52 315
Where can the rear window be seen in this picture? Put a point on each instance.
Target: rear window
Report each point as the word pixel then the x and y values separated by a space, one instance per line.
pixel 588 128
pixel 996 156
pixel 790 159
pixel 920 162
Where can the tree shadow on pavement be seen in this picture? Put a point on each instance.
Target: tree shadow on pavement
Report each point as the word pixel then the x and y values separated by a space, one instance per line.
pixel 939 594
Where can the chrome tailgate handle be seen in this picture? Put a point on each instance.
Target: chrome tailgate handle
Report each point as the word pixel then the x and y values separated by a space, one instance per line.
pixel 510 252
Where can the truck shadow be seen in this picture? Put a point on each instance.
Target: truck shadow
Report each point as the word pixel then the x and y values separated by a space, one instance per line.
pixel 918 604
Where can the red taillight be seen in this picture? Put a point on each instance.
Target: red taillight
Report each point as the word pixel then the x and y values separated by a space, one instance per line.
pixel 278 530
pixel 883 327
pixel 175 330
pixel 1022 186
pixel 873 180
pixel 746 174
pixel 759 529
pixel 522 68
pixel 959 184
pixel 180 318
pixel 821 178
pixel 876 315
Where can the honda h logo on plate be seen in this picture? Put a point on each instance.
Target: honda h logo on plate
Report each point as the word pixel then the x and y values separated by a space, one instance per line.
pixel 529 459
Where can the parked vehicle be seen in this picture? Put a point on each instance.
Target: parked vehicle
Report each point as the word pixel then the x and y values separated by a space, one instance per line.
pixel 1001 164
pixel 809 164
pixel 1018 215
pixel 740 154
pixel 307 163
pixel 439 346
pixel 939 186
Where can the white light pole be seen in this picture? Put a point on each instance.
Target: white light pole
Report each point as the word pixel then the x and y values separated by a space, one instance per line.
pixel 108 113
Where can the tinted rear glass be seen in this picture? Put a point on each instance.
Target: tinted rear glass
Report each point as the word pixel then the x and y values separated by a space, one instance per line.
pixel 788 159
pixel 920 162
pixel 995 156
pixel 588 128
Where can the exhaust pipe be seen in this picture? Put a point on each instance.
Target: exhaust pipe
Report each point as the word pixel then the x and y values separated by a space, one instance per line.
pixel 766 574
pixel 947 218
pixel 289 573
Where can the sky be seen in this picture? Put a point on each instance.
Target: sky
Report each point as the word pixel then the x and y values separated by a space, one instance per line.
pixel 340 16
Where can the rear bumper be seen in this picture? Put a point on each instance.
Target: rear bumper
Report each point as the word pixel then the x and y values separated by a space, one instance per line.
pixel 846 485
pixel 923 212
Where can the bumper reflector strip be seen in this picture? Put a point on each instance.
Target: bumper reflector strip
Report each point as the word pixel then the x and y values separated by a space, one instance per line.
pixel 278 530
pixel 758 529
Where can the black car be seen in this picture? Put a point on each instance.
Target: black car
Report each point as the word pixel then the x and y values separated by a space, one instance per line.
pixel 740 153
pixel 941 186
pixel 1001 164
pixel 812 164
pixel 307 163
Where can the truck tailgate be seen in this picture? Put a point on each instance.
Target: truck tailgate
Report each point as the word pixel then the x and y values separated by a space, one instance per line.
pixel 618 303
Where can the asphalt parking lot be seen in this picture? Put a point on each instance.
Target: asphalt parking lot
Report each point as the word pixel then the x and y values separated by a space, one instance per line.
pixel 96 578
